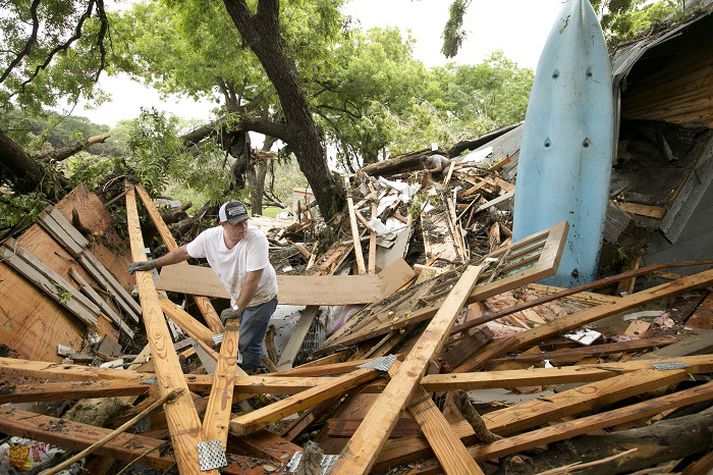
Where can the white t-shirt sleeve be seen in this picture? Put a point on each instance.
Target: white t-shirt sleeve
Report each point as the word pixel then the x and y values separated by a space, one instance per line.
pixel 258 254
pixel 197 247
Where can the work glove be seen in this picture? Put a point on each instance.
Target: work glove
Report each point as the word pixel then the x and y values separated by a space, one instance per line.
pixel 142 265
pixel 230 313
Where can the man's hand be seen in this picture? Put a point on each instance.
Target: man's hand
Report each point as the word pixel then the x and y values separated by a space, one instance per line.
pixel 142 265
pixel 230 313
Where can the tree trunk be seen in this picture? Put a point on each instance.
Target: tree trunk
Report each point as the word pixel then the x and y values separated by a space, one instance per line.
pixel 262 33
pixel 660 442
pixel 21 172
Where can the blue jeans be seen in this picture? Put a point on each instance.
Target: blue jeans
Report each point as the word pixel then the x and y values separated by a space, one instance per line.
pixel 253 326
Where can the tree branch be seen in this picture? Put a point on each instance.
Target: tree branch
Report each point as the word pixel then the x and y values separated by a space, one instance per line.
pixel 30 42
pixel 66 152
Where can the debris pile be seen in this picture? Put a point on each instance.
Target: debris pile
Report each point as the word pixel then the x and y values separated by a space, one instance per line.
pixel 424 344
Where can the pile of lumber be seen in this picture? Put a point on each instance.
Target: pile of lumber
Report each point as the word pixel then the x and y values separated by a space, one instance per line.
pixel 460 364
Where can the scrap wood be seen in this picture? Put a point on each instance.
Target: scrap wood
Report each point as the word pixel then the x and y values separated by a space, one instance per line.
pixel 16 393
pixel 531 337
pixel 447 446
pixel 542 249
pixel 258 419
pixel 361 451
pixel 571 355
pixel 203 304
pixel 324 289
pixel 54 222
pixel 584 425
pixel 217 414
pixel 567 469
pixel 702 466
pixel 358 253
pixel 77 436
pixel 50 282
pixel 99 301
pixel 165 399
pixel 183 421
pixel 531 413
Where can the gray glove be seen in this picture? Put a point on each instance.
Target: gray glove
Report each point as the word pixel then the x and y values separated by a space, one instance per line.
pixel 229 314
pixel 142 265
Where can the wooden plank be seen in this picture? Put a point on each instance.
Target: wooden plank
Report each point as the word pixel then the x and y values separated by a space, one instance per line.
pixel 66 234
pixel 260 418
pixel 217 414
pixel 358 252
pixel 99 301
pixel 572 355
pixel 77 436
pixel 584 425
pixel 531 337
pixel 15 393
pixel 656 212
pixel 360 453
pixel 204 306
pixel 548 376
pixel 292 348
pixel 325 290
pixel 183 421
pixel 372 242
pixel 265 444
pixel 49 282
pixel 188 324
pixel 447 446
pixel 576 400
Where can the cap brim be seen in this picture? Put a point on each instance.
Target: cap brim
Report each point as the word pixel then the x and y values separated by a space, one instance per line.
pixel 237 220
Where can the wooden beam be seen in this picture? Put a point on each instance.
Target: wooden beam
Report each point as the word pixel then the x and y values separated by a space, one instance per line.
pixel 584 425
pixel 185 320
pixel 361 451
pixel 260 418
pixel 358 252
pixel 62 372
pixel 203 303
pixel 217 414
pixel 77 436
pixel 372 242
pixel 531 337
pixel 183 421
pixel 447 446
pixel 548 376
pixel 70 390
pixel 166 398
pixel 289 353
pixel 572 355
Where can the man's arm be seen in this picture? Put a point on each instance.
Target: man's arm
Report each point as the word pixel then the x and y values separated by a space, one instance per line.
pixel 179 254
pixel 247 291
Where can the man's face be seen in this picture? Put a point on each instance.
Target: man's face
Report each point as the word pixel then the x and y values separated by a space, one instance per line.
pixel 235 232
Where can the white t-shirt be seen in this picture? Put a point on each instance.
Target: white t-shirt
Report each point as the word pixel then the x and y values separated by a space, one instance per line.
pixel 232 265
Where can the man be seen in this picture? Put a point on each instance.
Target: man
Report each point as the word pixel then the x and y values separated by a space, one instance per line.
pixel 239 256
pixel 436 166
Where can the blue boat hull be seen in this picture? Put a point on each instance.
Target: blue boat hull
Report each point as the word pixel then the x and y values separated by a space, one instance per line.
pixel 568 143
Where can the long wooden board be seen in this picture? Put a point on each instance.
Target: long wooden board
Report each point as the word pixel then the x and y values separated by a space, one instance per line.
pixel 296 290
pixel 183 421
pixel 77 436
pixel 362 449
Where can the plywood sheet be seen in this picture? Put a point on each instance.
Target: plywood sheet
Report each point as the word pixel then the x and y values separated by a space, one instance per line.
pixel 32 324
pixel 296 290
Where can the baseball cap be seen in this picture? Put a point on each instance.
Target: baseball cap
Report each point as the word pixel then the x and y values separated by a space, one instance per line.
pixel 233 212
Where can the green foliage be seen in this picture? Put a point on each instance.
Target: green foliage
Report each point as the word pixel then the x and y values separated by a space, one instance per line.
pixel 453 32
pixel 18 211
pixel 625 20
pixel 56 64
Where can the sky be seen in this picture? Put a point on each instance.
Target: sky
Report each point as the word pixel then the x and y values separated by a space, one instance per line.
pixel 517 27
